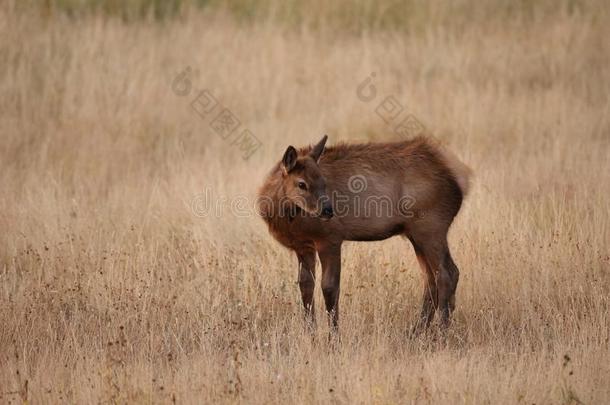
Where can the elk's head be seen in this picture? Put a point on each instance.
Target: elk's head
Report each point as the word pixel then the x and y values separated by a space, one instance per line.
pixel 304 184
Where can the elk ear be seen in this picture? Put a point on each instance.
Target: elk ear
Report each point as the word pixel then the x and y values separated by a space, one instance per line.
pixel 290 159
pixel 317 150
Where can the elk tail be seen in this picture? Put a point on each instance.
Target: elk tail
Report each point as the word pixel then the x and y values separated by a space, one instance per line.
pixel 458 169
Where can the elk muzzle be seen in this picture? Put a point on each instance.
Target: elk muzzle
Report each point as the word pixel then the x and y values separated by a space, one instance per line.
pixel 326 212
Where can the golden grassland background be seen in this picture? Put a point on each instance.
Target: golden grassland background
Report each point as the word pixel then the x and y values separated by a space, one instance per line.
pixel 113 288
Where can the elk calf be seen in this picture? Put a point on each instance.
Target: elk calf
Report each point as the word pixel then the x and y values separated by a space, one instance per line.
pixel 315 198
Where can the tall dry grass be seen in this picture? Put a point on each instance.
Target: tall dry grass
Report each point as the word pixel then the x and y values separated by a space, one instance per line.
pixel 115 288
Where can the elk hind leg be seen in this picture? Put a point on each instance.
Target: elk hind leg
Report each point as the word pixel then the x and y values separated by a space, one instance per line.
pixel 430 293
pixel 446 276
pixel 454 273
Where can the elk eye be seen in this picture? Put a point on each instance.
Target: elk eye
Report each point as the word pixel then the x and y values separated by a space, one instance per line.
pixel 302 185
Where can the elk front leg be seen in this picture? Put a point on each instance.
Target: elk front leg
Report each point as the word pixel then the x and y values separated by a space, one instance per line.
pixel 307 282
pixel 330 257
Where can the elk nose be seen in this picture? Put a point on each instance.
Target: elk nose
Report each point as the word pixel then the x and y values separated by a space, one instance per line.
pixel 327 212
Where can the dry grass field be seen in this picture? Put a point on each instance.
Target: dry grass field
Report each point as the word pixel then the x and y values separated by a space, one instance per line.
pixel 133 268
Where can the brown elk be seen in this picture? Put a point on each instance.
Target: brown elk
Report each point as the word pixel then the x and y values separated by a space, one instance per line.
pixel 316 198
